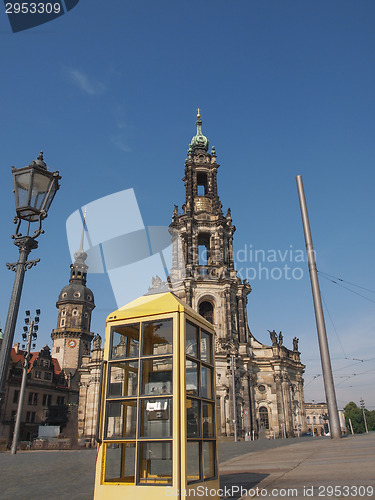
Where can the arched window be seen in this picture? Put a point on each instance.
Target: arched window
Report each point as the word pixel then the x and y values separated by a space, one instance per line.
pixel 202 188
pixel 263 418
pixel 203 249
pixel 206 309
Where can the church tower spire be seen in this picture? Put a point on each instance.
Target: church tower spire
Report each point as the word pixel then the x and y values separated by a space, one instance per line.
pixel 72 337
pixel 211 285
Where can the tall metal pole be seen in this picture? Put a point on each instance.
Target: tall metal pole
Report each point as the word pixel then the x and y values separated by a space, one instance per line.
pixel 351 426
pixel 319 317
pixel 17 427
pixel 363 411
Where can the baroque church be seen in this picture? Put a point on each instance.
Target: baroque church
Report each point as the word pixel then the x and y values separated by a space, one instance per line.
pixel 259 387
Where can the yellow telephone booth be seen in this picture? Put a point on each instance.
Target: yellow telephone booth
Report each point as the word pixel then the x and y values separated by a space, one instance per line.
pixel 156 422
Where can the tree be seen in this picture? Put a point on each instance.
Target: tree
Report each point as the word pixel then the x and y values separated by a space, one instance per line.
pixel 354 413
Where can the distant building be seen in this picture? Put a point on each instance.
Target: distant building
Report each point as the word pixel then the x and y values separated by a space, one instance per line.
pixel 46 397
pixel 317 418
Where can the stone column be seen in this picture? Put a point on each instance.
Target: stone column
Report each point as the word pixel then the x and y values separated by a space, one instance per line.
pixel 280 403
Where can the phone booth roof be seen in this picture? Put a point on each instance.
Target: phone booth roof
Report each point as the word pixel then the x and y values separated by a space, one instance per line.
pixel 159 303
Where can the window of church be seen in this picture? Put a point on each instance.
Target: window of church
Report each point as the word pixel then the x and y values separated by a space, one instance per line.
pixel 202 184
pixel 76 295
pixel 75 312
pixel 64 295
pixel 263 418
pixel 57 350
pixel 206 309
pixel 261 388
pixel 62 322
pixel 63 312
pixel 203 249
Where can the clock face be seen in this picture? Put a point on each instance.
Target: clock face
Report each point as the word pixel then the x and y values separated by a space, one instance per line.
pixel 72 343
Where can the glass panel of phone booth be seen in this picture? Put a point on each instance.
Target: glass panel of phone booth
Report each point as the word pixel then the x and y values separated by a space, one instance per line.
pixel 125 341
pixel 120 462
pixel 123 379
pixel 155 463
pixel 121 419
pixel 157 337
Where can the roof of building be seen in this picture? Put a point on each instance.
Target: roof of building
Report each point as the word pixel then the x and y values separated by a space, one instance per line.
pixel 20 356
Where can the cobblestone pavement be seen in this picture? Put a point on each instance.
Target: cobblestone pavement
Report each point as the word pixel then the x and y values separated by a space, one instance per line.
pixel 321 468
pixel 69 475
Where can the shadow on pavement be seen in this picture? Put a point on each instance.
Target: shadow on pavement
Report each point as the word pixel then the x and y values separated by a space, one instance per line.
pixel 234 486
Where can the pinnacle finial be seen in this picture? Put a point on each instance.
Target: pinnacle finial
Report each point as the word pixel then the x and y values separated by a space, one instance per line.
pixel 40 157
pixel 198 113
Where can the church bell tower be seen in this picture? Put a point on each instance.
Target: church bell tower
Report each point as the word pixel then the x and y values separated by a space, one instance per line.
pixel 72 337
pixel 211 285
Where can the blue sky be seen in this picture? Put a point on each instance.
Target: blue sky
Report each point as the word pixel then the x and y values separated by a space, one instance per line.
pixel 109 91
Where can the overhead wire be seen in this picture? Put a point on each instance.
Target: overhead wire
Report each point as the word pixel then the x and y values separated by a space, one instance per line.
pixel 346 288
pixel 334 328
pixel 344 281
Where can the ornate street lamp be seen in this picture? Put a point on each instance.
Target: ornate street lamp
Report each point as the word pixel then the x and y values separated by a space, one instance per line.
pixel 34 190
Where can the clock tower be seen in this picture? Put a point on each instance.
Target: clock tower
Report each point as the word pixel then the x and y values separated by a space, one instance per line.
pixel 72 337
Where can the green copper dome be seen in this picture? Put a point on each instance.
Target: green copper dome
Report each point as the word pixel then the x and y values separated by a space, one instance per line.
pixel 199 140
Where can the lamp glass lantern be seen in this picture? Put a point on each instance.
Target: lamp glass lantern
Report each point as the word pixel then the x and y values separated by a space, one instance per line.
pixel 34 189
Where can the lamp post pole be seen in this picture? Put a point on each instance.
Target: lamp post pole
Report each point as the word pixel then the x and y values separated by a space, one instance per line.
pixel 25 245
pixel 30 337
pixel 34 190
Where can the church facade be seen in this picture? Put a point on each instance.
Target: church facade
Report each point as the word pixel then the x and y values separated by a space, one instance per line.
pixel 259 386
